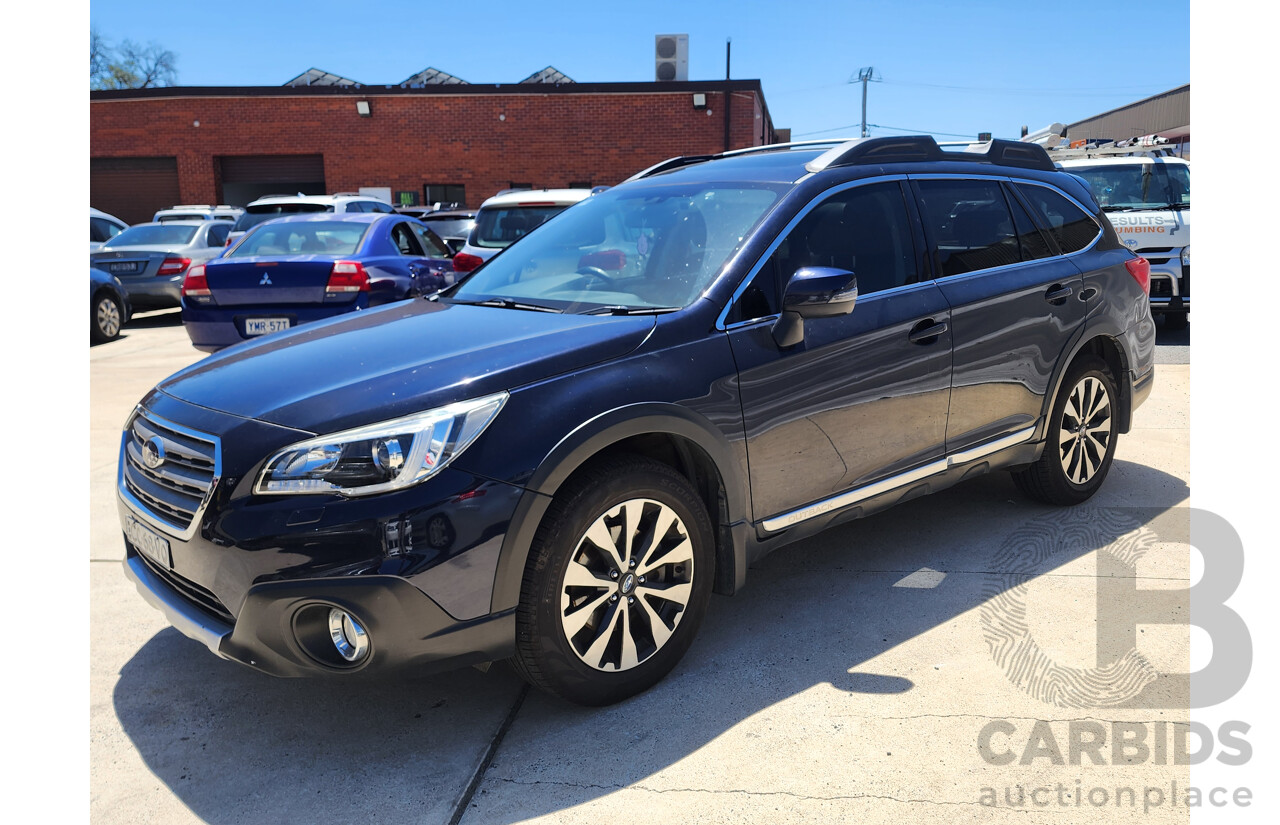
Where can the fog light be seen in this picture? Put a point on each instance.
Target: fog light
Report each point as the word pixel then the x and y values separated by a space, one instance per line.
pixel 348 636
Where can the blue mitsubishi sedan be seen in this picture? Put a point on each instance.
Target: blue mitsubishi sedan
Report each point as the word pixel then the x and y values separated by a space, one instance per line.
pixel 290 271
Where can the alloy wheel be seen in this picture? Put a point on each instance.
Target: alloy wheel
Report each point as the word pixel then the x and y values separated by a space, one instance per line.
pixel 108 317
pixel 1085 431
pixel 627 585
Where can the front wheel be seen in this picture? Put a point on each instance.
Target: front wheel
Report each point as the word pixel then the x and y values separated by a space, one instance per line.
pixel 618 579
pixel 1081 442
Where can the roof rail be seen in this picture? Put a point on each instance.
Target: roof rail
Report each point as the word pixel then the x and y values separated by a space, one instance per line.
pixel 689 160
pixel 917 148
pixel 796 144
pixel 283 195
pixel 669 164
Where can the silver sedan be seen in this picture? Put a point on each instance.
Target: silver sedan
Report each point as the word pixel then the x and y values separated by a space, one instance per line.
pixel 151 259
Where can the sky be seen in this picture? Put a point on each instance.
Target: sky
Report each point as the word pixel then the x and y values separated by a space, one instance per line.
pixel 952 69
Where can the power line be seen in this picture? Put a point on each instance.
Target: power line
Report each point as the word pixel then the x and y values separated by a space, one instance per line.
pixel 1072 90
pixel 919 131
pixel 880 126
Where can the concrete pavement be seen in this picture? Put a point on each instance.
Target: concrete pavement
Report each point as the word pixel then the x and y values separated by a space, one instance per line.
pixel 851 681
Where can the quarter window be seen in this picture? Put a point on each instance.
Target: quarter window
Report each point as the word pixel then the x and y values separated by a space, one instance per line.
pixel 970 223
pixel 864 230
pixel 1070 226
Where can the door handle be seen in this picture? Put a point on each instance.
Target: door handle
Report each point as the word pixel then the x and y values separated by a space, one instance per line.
pixel 926 332
pixel 1058 294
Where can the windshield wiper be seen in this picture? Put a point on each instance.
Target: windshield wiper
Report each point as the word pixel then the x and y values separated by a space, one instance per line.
pixel 1119 208
pixel 507 303
pixel 621 309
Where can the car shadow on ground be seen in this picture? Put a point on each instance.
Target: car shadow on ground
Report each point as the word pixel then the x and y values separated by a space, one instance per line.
pixel 237 746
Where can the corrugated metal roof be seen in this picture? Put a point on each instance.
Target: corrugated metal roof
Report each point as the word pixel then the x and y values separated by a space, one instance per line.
pixel 1164 112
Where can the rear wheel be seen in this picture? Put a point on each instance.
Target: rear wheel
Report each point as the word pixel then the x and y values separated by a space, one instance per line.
pixel 1081 440
pixel 105 318
pixel 618 580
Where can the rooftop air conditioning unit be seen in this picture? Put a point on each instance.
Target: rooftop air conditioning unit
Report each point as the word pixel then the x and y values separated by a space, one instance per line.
pixel 671 57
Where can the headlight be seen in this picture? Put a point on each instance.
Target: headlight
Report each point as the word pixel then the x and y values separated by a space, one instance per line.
pixel 381 457
pixel 1186 255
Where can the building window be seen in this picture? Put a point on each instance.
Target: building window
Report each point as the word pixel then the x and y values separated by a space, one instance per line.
pixel 580 185
pixel 444 193
pixel 520 186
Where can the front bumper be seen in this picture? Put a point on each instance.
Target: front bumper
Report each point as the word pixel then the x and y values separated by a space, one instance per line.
pixel 253 577
pixel 1170 289
pixel 408 630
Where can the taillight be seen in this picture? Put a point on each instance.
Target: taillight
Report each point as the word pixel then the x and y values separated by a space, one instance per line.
pixel 465 262
pixel 195 285
pixel 1140 269
pixel 347 276
pixel 173 266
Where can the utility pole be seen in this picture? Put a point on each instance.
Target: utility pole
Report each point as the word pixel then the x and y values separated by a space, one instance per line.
pixel 865 76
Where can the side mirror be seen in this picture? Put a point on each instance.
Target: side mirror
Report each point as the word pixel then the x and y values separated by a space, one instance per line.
pixel 814 292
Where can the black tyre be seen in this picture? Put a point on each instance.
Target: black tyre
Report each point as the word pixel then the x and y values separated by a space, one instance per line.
pixel 1081 441
pixel 617 583
pixel 105 318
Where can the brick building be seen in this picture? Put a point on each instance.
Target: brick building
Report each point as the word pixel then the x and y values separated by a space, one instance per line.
pixel 155 147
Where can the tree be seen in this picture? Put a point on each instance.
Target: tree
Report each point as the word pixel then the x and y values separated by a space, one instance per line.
pixel 130 65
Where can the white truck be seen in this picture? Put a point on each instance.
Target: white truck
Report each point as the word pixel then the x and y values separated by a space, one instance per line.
pixel 1146 193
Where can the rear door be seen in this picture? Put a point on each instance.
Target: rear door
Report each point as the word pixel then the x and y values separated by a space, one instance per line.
pixel 864 395
pixel 1015 305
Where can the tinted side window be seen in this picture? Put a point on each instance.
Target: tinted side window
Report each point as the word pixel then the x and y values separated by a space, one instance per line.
pixel 376 206
pixel 1033 244
pixel 1070 226
pixel 98 230
pixel 218 234
pixel 354 206
pixel 864 230
pixel 970 224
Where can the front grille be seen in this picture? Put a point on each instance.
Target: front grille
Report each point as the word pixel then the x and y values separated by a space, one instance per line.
pixel 192 592
pixel 176 491
pixel 1161 288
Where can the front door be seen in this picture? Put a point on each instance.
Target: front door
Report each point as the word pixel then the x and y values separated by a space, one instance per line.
pixel 864 395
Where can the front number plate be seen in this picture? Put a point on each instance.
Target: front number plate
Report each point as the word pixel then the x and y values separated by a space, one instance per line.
pixel 262 326
pixel 147 542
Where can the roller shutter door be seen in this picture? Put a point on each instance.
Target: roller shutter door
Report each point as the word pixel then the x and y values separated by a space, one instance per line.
pixel 246 177
pixel 133 189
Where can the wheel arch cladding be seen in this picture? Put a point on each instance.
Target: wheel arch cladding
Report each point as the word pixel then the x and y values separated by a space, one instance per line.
pixel 667 433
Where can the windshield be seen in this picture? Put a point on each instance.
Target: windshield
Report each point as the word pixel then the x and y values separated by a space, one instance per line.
pixel 1119 186
pixel 655 246
pixel 301 238
pixel 255 215
pixel 153 235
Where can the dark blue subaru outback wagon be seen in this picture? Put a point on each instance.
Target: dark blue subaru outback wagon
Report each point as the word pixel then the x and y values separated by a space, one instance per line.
pixel 558 459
